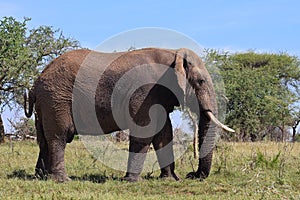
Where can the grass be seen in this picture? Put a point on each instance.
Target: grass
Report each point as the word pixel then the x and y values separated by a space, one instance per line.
pixel 240 171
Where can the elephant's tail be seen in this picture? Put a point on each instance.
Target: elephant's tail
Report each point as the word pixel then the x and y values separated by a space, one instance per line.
pixel 31 100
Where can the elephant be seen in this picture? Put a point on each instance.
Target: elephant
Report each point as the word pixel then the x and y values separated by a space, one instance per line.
pixel 59 116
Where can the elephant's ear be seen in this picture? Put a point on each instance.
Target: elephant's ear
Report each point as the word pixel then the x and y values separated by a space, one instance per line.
pixel 180 70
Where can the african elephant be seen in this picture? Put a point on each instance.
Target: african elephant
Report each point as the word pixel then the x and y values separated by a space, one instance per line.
pixel 59 117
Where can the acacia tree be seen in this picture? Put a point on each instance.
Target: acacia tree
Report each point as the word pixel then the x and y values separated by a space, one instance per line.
pixel 23 54
pixel 262 90
pixel 295 123
pixel 1 131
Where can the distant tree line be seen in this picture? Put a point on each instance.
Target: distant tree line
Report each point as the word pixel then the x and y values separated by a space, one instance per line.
pixel 258 93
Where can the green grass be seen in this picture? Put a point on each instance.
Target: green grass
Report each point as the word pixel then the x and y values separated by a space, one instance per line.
pixel 240 171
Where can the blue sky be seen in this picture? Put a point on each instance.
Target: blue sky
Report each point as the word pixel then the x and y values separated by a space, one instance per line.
pixel 261 25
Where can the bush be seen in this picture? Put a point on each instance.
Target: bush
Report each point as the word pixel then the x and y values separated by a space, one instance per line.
pixel 24 128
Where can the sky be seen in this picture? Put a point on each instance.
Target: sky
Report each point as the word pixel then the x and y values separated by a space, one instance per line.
pixel 262 25
pixel 271 26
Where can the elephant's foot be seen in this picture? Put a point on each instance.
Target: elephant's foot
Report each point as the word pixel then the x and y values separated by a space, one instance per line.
pixel 131 177
pixel 59 176
pixel 169 176
pixel 169 172
pixel 196 175
pixel 44 175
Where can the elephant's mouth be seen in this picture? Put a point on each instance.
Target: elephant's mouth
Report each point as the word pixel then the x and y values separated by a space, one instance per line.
pixel 211 116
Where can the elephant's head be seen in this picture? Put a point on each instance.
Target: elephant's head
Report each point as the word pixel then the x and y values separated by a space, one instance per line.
pixel 190 69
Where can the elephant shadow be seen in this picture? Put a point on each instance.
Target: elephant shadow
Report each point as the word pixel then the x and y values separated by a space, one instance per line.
pixel 21 174
pixel 101 178
pixel 95 178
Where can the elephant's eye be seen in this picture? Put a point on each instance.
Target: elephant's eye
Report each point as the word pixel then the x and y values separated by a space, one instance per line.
pixel 201 82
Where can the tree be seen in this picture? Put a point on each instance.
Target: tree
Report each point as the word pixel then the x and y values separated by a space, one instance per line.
pixel 261 89
pixel 23 54
pixel 1 131
pixel 24 128
pixel 295 124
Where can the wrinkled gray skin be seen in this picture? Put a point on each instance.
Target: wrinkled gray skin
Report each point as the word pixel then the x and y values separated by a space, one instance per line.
pixel 52 97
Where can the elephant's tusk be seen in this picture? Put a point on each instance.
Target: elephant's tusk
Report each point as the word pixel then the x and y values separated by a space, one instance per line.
pixel 218 123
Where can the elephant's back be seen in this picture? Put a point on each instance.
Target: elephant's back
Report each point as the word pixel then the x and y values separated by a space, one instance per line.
pixel 56 81
pixel 68 63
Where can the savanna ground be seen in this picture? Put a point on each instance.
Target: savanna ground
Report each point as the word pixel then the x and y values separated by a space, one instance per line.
pixel 263 170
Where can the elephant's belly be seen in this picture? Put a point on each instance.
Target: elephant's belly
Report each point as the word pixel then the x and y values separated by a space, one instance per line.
pixel 98 123
pixel 109 123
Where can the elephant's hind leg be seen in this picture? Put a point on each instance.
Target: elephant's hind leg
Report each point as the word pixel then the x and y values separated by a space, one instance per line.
pixel 42 166
pixel 57 164
pixel 56 134
pixel 163 145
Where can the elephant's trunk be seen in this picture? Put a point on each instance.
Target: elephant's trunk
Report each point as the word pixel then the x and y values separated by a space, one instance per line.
pixel 208 125
pixel 206 135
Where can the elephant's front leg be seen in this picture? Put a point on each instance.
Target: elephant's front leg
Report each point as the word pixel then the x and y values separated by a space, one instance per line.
pixel 138 148
pixel 163 145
